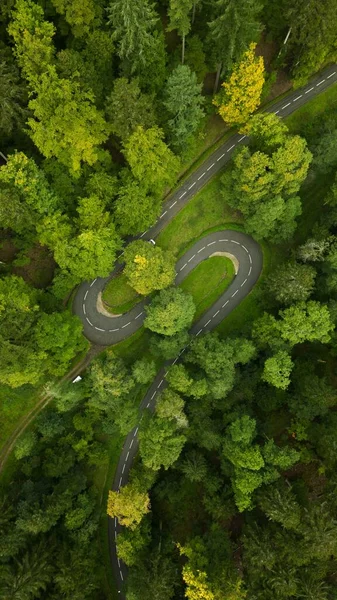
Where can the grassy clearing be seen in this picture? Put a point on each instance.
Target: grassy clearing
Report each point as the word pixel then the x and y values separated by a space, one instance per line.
pixel 325 101
pixel 205 211
pixel 119 296
pixel 14 405
pixel 208 281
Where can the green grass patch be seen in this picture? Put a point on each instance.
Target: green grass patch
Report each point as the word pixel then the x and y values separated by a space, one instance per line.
pixel 318 105
pixel 119 296
pixel 14 405
pixel 208 281
pixel 206 210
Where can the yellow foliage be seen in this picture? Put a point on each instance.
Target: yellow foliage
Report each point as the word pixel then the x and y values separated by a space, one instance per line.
pixel 196 585
pixel 129 505
pixel 241 94
pixel 141 261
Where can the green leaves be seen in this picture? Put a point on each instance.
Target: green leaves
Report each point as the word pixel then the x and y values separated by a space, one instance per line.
pixel 183 100
pixel 150 159
pixel 170 311
pixel 148 267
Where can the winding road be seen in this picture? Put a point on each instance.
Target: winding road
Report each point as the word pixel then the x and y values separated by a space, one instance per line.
pixel 105 330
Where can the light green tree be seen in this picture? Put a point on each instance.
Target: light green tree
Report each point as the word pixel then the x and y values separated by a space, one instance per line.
pixel 148 267
pixel 136 208
pixel 80 14
pixel 129 505
pixel 277 370
pixel 33 39
pixel 170 311
pixel 150 159
pixel 66 123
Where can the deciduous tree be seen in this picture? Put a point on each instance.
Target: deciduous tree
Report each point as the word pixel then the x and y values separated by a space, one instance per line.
pixel 170 311
pixel 292 282
pixel 277 370
pixel 241 94
pixel 129 505
pixel 148 267
pixel 127 107
pixel 150 159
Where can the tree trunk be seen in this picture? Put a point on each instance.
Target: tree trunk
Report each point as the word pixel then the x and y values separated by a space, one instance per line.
pixel 193 11
pixel 183 51
pixel 217 79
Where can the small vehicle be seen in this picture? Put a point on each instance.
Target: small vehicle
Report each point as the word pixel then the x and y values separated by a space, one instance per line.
pixel 78 378
pixel 152 242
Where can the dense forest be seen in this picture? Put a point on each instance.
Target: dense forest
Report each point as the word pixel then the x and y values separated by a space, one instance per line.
pixel 105 104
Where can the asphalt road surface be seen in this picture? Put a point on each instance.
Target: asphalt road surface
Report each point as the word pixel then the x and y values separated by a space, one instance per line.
pixel 106 330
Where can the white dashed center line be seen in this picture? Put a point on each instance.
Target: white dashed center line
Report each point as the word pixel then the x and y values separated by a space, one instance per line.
pixel 211 167
pixel 182 195
pixel 201 176
pixel 307 92
pixel 235 293
pixel 193 184
pixel 285 106
pixel 298 97
pixel 85 295
pixel 174 203
pixel 320 82
pixel 332 74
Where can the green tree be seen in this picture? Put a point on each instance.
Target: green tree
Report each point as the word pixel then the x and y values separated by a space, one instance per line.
pixel 312 36
pixel 127 108
pixel 150 159
pixel 25 445
pixel 313 250
pixel 266 131
pixel 66 123
pixel 309 321
pixel 78 13
pixel 60 336
pixel 132 23
pixel 29 576
pixel 234 26
pixel 169 347
pixel 178 12
pixel 33 39
pixel 194 466
pixel 144 370
pixel 157 575
pixel 13 98
pixel 280 505
pixel 129 505
pixel 170 311
pixel 195 57
pixel 136 208
pixel 277 370
pixel 291 282
pixel 170 406
pixel 263 188
pixel 161 440
pixel 148 267
pixel 109 379
pixel 183 100
pixel 132 542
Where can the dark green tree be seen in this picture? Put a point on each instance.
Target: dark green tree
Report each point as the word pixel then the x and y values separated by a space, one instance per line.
pixel 183 100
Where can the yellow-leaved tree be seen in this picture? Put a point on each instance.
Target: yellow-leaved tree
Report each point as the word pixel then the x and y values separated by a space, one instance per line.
pixel 240 95
pixel 197 587
pixel 129 505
